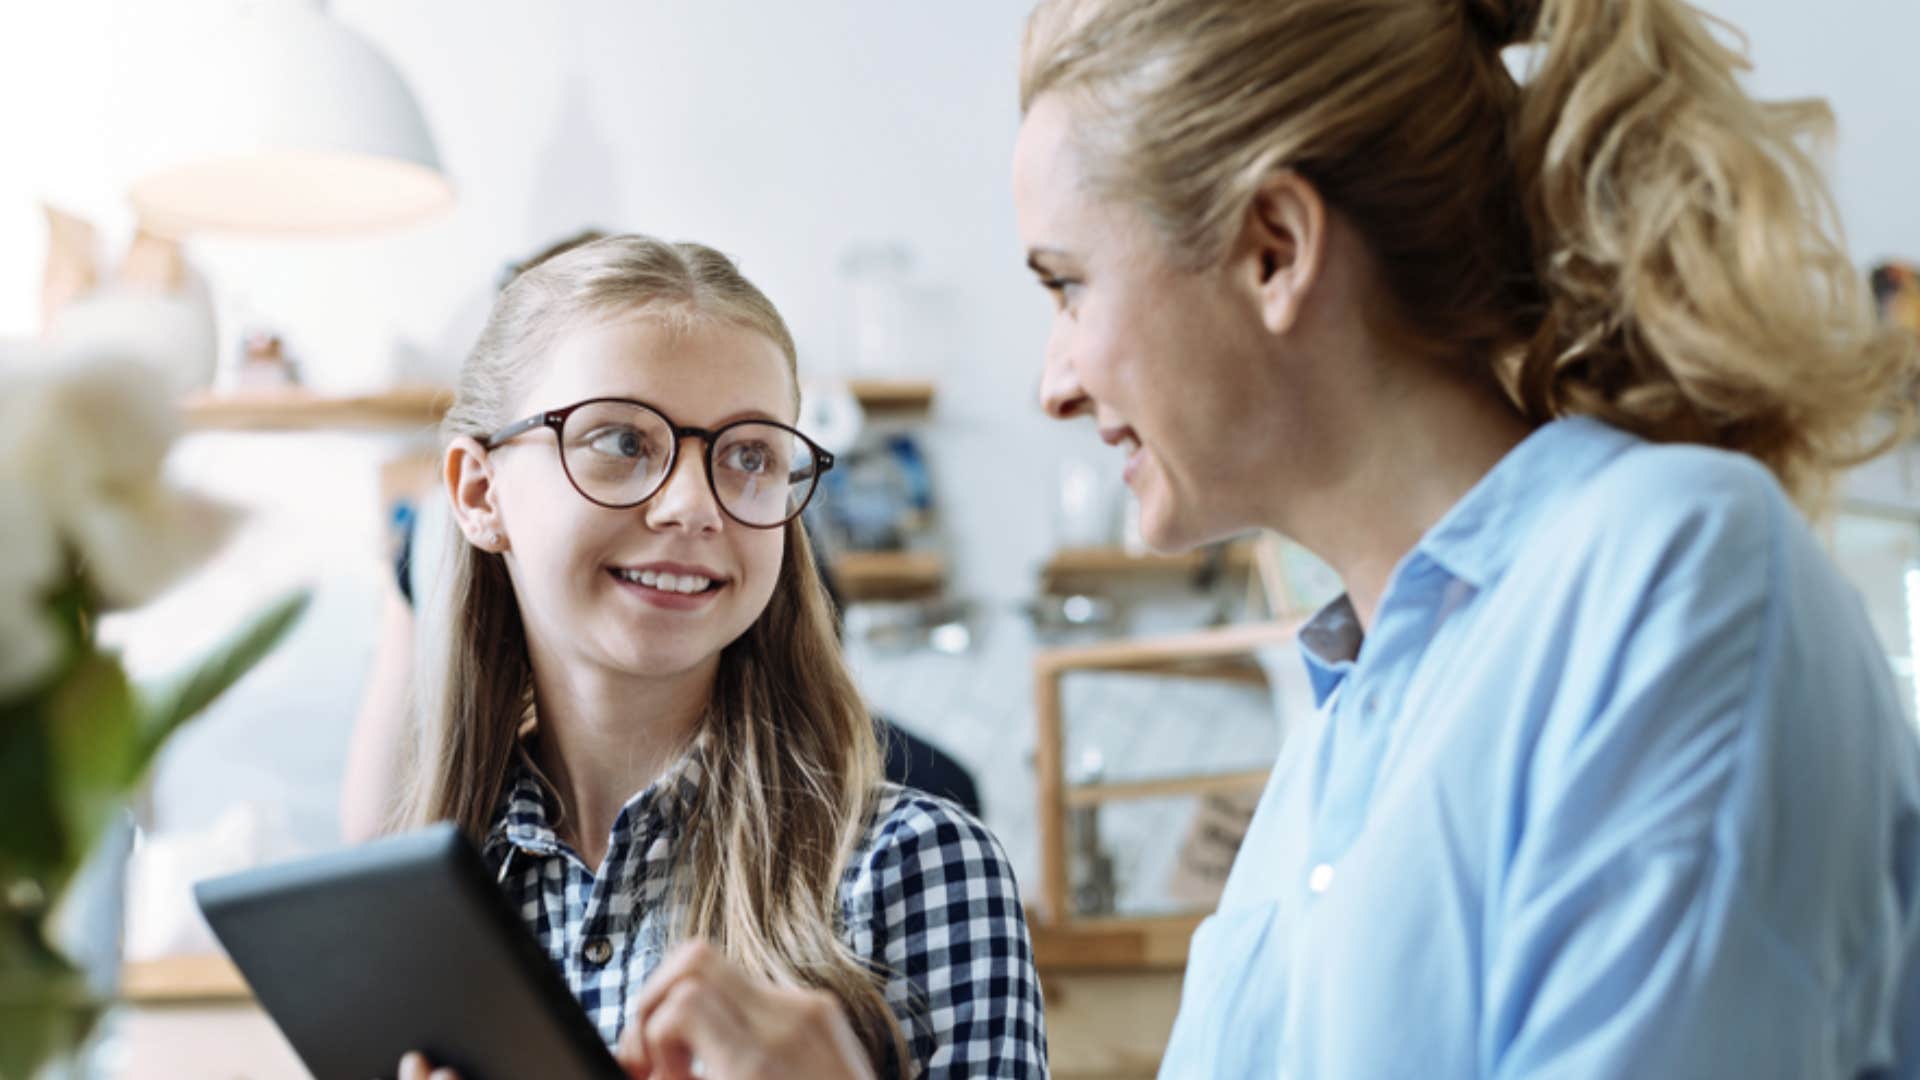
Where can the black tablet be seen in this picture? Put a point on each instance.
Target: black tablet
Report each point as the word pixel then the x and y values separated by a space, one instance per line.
pixel 402 944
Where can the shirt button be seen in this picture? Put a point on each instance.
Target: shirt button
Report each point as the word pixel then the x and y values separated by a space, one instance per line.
pixel 599 951
pixel 1320 877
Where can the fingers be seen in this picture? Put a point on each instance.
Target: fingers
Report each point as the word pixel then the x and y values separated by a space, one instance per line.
pixel 415 1066
pixel 693 958
pixel 694 1022
pixel 631 1050
pixel 699 1006
pixel 688 958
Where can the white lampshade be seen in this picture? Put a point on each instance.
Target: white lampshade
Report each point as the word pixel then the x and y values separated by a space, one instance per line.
pixel 295 124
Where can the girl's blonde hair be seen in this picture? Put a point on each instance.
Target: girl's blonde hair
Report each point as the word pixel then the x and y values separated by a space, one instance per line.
pixel 1628 235
pixel 792 761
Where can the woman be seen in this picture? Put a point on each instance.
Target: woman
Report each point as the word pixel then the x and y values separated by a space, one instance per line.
pixel 1609 775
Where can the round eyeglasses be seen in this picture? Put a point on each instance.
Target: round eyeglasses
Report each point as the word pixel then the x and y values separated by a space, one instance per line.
pixel 618 454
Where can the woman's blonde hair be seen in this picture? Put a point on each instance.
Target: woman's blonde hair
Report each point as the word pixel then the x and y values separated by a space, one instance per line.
pixel 791 763
pixel 1628 235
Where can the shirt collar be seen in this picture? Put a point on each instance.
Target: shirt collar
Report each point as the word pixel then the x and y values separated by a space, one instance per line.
pixel 1478 538
pixel 1329 642
pixel 528 811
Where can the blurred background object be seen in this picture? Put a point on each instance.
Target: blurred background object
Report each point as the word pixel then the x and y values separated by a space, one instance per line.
pixel 861 178
pixel 301 125
pixel 1896 288
pixel 153 305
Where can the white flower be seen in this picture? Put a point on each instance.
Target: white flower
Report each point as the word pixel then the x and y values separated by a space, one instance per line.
pixel 84 431
pixel 90 439
pixel 29 644
pixel 133 548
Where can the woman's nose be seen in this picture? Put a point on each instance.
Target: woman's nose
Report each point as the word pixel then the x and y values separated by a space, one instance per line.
pixel 1061 395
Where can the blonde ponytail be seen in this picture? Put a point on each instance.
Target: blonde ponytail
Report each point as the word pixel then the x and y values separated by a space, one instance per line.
pixel 1697 287
pixel 1627 235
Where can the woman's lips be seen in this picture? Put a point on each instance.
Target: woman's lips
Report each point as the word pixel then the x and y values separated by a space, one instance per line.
pixel 1129 440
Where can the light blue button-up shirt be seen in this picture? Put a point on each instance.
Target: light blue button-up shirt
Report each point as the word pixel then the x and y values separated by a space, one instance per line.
pixel 1616 785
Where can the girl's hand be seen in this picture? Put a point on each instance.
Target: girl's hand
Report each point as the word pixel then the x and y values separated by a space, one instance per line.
pixel 700 1006
pixel 416 1067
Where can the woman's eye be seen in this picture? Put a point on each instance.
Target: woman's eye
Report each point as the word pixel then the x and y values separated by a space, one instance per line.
pixel 1063 289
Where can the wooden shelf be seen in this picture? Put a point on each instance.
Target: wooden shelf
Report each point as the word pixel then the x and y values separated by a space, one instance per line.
pixel 177 979
pixel 1234 646
pixel 1113 943
pixel 888 575
pixel 1233 783
pixel 1091 569
pixel 893 395
pixel 1171 653
pixel 295 409
pixel 1096 944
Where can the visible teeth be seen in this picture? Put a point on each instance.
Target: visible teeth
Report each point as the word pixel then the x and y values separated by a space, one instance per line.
pixel 678 583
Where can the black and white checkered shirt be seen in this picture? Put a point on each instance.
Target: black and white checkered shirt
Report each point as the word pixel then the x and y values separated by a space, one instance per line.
pixel 929 898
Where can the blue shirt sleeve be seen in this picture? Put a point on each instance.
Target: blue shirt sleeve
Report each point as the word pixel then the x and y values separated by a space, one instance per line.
pixel 1673 904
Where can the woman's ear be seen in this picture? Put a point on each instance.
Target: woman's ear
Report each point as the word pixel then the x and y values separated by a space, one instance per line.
pixel 468 473
pixel 1282 247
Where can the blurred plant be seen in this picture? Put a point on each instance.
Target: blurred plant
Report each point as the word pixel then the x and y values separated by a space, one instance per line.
pixel 88 525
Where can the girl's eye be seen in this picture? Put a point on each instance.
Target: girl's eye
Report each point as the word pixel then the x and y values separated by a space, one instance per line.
pixel 618 442
pixel 747 458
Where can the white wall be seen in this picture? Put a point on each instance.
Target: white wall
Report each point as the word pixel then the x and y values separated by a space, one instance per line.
pixel 1859 56
pixel 781 133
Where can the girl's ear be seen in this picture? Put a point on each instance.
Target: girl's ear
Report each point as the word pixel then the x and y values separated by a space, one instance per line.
pixel 468 474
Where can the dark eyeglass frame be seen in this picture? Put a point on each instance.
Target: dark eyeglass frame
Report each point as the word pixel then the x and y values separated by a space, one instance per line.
pixel 556 419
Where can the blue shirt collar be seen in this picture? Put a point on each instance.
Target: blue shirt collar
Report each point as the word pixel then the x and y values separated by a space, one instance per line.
pixel 1477 540
pixel 1479 537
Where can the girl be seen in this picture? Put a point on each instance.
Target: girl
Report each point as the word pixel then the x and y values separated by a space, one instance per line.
pixel 1609 777
pixel 641 713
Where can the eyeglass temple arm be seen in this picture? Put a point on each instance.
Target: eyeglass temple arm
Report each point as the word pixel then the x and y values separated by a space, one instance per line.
pixel 822 461
pixel 513 429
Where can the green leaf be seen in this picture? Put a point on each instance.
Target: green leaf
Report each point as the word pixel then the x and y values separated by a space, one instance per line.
pixel 71 605
pixel 92 734
pixel 32 838
pixel 165 707
pixel 45 1008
